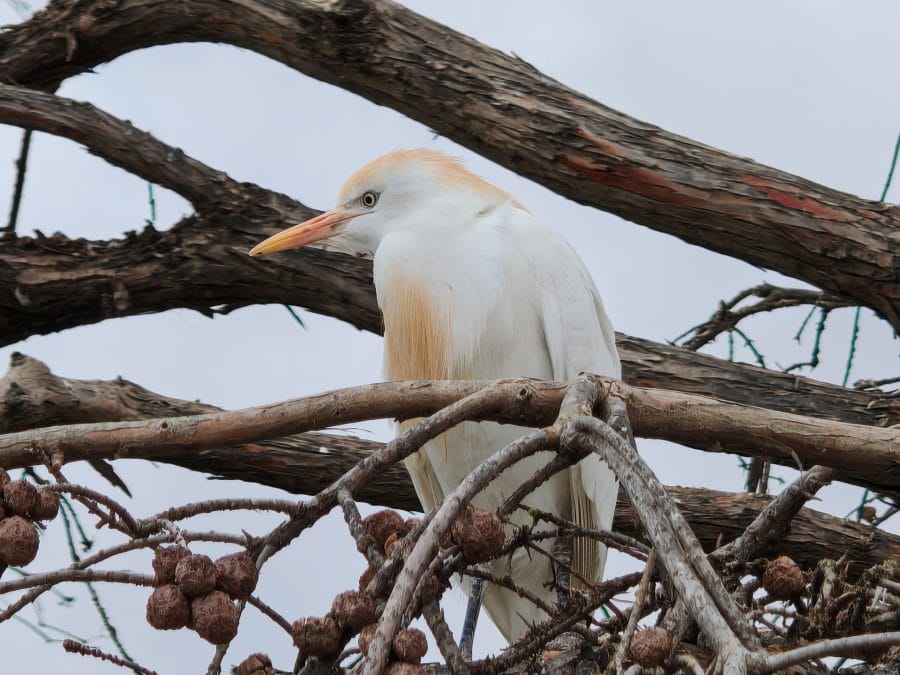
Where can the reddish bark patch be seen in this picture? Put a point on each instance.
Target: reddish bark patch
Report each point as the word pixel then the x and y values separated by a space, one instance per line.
pixel 792 201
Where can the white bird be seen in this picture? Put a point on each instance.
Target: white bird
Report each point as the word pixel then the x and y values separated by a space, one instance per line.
pixel 473 287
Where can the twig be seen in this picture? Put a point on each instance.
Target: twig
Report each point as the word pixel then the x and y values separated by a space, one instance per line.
pixel 774 521
pixel 640 597
pixel 446 643
pixel 105 554
pixel 680 553
pixel 845 646
pixel 874 384
pixel 851 352
pixel 153 524
pixel 817 344
pixel 74 647
pixel 60 576
pixel 271 613
pixel 726 317
pixel 89 497
pixel 21 167
pixel 538 636
pixel 429 541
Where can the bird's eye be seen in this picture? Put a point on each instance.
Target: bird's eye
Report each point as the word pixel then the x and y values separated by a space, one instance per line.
pixel 369 199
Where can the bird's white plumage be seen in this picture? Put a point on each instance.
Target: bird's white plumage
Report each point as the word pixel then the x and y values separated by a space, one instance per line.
pixel 516 300
pixel 472 286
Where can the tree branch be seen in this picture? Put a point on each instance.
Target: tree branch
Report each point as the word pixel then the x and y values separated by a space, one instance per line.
pixel 50 284
pixel 31 396
pixel 506 110
pixel 865 455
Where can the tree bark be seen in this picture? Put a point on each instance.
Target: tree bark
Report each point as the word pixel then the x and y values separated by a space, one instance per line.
pixel 31 396
pixel 864 455
pixel 504 109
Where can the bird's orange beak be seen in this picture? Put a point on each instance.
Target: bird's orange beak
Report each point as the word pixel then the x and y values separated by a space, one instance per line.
pixel 324 225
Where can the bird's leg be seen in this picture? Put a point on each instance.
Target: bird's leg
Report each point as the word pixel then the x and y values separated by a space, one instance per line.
pixel 562 568
pixel 473 608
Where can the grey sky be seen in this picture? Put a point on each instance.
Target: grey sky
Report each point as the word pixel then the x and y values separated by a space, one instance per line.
pixel 808 87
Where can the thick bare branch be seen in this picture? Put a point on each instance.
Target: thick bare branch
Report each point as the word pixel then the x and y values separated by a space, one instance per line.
pixel 32 396
pixel 865 455
pixel 511 113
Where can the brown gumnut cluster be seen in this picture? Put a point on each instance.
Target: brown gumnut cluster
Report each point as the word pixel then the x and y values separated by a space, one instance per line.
pixel 21 505
pixel 255 664
pixel 354 611
pixel 322 636
pixel 650 647
pixel 479 534
pixel 783 579
pixel 387 530
pixel 192 590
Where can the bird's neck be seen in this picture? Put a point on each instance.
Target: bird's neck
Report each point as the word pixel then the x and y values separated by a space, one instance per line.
pixel 434 294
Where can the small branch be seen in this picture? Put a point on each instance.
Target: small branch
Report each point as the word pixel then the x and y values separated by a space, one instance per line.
pixel 271 613
pixel 428 542
pixel 21 167
pixel 774 521
pixel 772 298
pixel 74 647
pixel 679 552
pixel 854 646
pixel 80 575
pixel 874 384
pixel 446 643
pixel 125 522
pixel 640 597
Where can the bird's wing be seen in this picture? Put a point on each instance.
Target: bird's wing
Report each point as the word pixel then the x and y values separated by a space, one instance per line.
pixel 580 338
pixel 421 472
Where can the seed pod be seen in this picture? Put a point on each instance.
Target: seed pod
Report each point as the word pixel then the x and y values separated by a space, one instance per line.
pixel 47 505
pixel 316 636
pixel 255 664
pixel 410 645
pixel 650 647
pixel 365 638
pixel 167 608
pixel 4 477
pixel 195 575
pixel 432 589
pixel 165 561
pixel 237 574
pixel 18 541
pixel 21 497
pixel 479 533
pixel 403 668
pixel 783 579
pixel 214 617
pixel 353 610
pixel 391 543
pixel 381 524
pixel 364 578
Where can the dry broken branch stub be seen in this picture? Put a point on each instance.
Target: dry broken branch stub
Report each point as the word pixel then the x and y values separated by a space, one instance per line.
pixel 524 120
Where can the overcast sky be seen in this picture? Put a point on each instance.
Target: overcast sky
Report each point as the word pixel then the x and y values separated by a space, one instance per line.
pixel 808 87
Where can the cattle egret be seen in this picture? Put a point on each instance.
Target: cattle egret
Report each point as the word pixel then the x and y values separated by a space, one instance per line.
pixel 473 287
